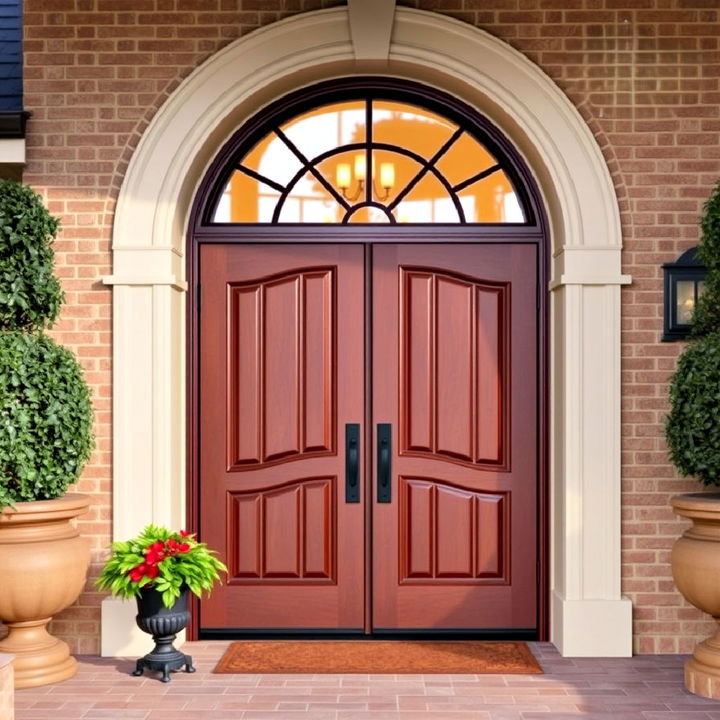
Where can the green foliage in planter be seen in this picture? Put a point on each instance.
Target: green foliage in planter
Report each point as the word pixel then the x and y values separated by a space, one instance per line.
pixel 45 418
pixel 30 294
pixel 692 428
pixel 162 559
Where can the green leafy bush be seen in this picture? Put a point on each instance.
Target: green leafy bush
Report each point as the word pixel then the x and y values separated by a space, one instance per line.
pixel 706 318
pixel 30 294
pixel 45 418
pixel 692 427
pixel 45 411
pixel 162 559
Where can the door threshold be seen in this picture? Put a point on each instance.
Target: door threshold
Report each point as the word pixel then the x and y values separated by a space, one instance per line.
pixel 359 634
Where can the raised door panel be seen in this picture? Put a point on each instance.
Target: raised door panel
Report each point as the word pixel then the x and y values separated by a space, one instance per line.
pixel 282 392
pixel 454 372
pixel 452 533
pixel 275 394
pixel 455 341
pixel 285 534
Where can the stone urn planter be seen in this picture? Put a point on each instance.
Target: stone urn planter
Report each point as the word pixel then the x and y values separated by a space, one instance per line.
pixel 163 623
pixel 696 571
pixel 46 438
pixel 43 567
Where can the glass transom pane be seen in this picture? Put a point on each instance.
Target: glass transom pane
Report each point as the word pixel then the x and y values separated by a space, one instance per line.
pixel 408 165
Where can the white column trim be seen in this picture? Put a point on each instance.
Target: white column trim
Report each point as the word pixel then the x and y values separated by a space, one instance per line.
pixel 157 193
pixel 589 280
pixel 149 280
pixel 149 265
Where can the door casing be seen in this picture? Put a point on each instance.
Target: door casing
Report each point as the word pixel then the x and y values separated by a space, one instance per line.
pixel 201 230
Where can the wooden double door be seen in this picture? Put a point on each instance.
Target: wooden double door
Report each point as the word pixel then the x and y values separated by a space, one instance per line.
pixel 368 436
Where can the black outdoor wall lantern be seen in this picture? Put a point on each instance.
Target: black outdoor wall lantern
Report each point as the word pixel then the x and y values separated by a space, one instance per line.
pixel 684 281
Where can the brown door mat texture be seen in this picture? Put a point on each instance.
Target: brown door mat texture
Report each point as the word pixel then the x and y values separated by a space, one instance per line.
pixel 378 657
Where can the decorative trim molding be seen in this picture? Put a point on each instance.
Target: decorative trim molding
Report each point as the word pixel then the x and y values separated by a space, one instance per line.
pixel 595 279
pixel 149 321
pixel 371 24
pixel 146 280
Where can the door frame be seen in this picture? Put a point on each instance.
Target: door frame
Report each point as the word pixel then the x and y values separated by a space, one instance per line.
pixel 201 231
pixel 368 236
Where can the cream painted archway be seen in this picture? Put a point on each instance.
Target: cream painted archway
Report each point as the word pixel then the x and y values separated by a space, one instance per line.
pixel 588 614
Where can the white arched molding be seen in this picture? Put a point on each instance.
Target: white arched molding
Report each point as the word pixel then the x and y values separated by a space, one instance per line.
pixel 588 614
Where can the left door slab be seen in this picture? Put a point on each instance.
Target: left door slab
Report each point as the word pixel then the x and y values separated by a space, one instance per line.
pixel 281 375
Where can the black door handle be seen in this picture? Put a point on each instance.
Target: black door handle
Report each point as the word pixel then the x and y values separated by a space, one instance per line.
pixel 352 463
pixel 384 462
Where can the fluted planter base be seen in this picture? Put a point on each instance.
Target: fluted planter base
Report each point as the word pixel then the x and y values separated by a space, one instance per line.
pixel 40 658
pixel 696 567
pixel 163 624
pixel 702 670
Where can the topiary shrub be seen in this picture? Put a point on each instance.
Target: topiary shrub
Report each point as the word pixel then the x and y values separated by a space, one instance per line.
pixel 30 294
pixel 45 418
pixel 706 318
pixel 692 427
pixel 45 411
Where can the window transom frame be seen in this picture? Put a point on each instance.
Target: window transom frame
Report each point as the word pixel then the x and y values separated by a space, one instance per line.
pixel 355 209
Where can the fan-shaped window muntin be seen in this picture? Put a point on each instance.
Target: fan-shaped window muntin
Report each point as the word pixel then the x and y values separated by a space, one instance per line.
pixel 369 160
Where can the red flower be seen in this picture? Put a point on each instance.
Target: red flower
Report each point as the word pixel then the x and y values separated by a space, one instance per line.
pixel 172 546
pixel 137 573
pixel 153 557
pixel 144 570
pixel 184 533
pixel 184 547
pixel 155 553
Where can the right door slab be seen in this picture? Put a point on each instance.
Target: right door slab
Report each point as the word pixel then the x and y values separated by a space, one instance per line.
pixel 455 414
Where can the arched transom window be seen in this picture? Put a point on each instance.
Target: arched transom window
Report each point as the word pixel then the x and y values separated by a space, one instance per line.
pixel 373 158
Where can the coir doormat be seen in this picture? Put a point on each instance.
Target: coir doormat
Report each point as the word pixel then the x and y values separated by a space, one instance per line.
pixel 378 656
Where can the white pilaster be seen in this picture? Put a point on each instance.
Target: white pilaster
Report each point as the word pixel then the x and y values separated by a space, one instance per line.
pixel 149 418
pixel 589 617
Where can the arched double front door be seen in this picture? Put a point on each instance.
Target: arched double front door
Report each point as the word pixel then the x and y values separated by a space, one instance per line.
pixel 368 361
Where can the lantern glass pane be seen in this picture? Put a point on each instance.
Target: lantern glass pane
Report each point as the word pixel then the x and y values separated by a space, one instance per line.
pixel 685 303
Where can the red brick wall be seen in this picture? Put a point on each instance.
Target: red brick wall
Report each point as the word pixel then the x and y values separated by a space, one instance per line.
pixel 644 75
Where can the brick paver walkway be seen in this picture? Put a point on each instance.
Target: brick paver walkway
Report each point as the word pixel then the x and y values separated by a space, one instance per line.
pixel 646 687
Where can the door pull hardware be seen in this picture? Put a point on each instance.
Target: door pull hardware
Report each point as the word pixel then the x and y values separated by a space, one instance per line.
pixel 384 462
pixel 352 463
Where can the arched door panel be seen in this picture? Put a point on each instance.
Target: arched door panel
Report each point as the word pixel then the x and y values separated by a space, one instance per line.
pixel 455 377
pixel 281 338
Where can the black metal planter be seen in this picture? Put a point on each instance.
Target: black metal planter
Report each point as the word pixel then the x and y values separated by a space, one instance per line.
pixel 163 624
